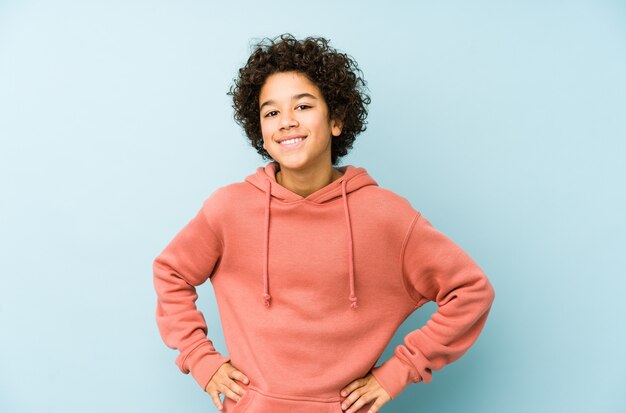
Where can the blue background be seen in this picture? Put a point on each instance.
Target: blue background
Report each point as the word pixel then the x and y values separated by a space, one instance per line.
pixel 502 122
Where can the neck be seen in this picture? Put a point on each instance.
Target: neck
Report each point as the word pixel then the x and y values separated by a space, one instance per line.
pixel 306 183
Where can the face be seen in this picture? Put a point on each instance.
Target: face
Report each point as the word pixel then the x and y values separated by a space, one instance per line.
pixel 294 123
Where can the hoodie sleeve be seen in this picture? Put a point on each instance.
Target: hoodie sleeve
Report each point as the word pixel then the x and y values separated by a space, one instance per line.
pixel 436 269
pixel 186 262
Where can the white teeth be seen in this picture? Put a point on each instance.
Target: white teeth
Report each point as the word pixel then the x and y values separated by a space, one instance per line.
pixel 290 141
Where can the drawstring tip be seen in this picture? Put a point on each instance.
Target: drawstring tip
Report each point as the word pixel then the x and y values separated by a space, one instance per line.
pixel 266 300
pixel 354 304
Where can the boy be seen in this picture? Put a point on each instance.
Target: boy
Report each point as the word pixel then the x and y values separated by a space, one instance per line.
pixel 345 260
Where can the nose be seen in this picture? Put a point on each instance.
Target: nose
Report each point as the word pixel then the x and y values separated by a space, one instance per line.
pixel 288 120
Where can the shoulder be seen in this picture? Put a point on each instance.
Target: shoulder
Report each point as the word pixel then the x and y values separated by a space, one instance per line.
pixel 393 201
pixel 226 193
pixel 224 199
pixel 386 206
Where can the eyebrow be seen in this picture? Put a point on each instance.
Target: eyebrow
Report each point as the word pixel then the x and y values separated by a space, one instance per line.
pixel 294 97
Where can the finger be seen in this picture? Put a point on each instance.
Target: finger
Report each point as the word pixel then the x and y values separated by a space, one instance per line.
pixel 237 375
pixel 351 399
pixel 215 396
pixel 227 392
pixel 360 402
pixel 240 391
pixel 352 386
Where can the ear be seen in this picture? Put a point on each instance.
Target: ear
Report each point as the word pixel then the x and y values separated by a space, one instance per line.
pixel 335 127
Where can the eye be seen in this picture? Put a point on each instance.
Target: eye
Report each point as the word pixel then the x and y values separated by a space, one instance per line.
pixel 269 114
pixel 303 106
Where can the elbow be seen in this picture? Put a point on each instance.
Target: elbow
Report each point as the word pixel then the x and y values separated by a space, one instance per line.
pixel 489 293
pixel 483 292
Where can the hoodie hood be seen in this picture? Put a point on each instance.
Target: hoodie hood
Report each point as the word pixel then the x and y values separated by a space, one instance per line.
pixel 353 179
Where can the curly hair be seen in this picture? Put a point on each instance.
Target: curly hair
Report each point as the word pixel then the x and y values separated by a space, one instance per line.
pixel 336 74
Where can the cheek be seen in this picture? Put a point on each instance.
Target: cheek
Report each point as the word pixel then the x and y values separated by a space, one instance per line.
pixel 319 125
pixel 265 131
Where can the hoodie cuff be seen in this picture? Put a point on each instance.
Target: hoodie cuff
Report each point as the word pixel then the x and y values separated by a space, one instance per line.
pixel 203 363
pixel 394 376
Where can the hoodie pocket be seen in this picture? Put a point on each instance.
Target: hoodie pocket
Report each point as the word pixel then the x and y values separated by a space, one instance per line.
pixel 258 401
pixel 231 406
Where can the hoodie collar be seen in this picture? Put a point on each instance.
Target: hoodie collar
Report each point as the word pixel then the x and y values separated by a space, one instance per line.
pixel 353 179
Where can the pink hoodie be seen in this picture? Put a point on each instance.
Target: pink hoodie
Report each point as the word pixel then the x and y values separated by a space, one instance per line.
pixel 311 290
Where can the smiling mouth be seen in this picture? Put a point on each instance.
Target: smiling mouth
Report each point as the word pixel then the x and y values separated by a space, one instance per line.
pixel 291 142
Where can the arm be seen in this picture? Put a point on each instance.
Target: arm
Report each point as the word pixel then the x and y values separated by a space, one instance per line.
pixel 436 269
pixel 186 262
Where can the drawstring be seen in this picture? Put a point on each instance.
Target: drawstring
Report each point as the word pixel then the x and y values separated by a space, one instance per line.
pixel 350 254
pixel 266 292
pixel 266 295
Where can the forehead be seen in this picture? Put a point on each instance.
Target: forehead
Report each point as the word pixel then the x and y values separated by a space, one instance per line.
pixel 284 85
